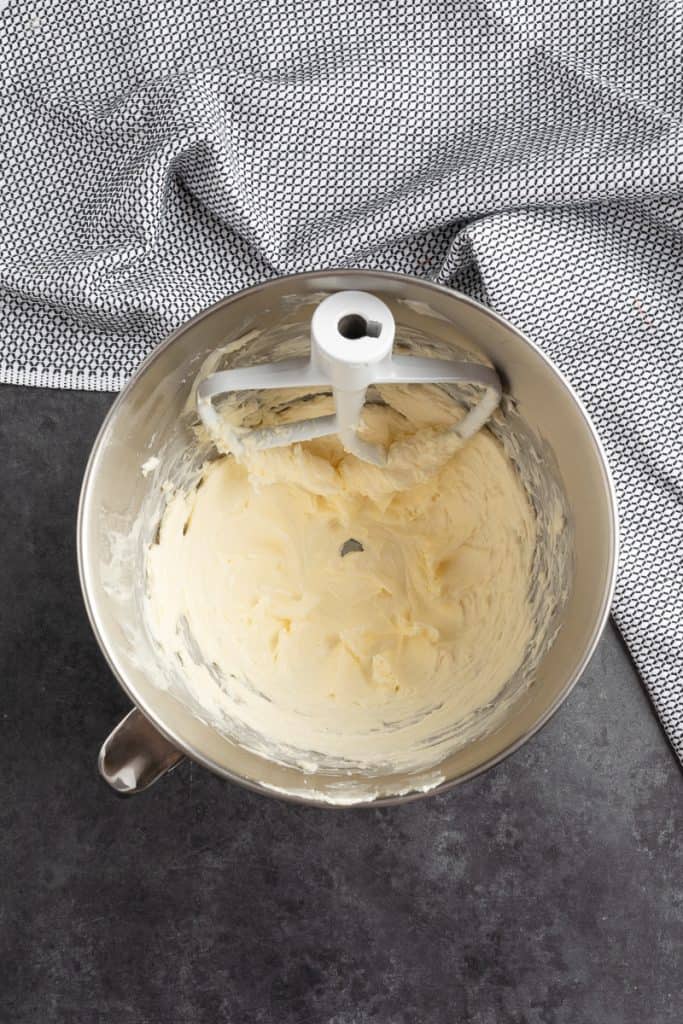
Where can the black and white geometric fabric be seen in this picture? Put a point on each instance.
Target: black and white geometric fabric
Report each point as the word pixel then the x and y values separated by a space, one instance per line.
pixel 157 157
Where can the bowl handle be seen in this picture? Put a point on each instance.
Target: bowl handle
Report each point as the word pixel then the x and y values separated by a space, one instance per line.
pixel 135 755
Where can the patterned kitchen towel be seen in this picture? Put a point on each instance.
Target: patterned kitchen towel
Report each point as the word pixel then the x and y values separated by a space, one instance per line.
pixel 159 156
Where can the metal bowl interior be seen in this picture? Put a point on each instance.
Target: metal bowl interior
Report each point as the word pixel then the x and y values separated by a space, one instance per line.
pixel 114 490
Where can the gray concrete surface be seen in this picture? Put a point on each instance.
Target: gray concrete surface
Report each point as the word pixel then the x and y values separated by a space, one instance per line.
pixel 548 891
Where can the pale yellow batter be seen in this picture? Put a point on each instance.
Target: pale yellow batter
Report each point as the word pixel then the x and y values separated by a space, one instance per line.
pixel 333 611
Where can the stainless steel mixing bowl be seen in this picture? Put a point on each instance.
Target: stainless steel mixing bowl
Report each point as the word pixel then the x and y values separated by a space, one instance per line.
pixel 161 730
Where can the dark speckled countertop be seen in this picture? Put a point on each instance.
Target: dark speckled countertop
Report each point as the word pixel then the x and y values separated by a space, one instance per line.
pixel 547 891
